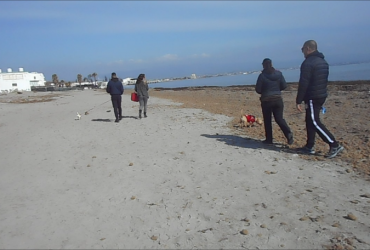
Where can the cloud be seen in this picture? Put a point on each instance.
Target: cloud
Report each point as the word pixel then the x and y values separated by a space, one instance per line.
pixel 35 10
pixel 136 61
pixel 164 58
pixel 161 17
pixel 168 57
pixel 203 55
pixel 112 63
pixel 118 62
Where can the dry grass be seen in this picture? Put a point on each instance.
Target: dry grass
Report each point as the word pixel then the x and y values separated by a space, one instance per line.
pixel 33 98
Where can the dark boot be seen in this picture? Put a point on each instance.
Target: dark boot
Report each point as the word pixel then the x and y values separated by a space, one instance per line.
pixel 140 114
pixel 145 115
pixel 290 138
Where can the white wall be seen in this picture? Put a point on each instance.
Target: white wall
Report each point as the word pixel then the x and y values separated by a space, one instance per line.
pixel 21 81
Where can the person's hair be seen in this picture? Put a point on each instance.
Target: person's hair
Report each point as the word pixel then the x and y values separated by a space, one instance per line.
pixel 311 44
pixel 114 75
pixel 140 78
pixel 267 66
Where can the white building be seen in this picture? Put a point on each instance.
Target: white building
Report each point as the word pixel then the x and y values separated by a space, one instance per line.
pixel 20 81
pixel 128 81
pixel 103 85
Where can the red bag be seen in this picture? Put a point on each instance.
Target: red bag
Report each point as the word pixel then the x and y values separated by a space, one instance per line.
pixel 134 97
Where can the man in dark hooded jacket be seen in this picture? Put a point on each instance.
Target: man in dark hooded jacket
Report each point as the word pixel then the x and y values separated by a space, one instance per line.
pixel 312 89
pixel 269 84
pixel 115 89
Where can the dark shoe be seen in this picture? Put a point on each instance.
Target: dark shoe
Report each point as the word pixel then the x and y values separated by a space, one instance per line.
pixel 145 116
pixel 140 114
pixel 334 151
pixel 120 118
pixel 117 120
pixel 306 150
pixel 268 142
pixel 290 139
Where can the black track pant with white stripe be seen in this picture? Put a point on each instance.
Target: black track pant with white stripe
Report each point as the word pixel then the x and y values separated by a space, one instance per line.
pixel 314 125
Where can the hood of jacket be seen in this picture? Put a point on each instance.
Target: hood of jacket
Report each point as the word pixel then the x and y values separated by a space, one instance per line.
pixel 273 76
pixel 316 53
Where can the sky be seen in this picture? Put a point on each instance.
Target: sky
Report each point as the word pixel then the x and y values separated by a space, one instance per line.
pixel 165 39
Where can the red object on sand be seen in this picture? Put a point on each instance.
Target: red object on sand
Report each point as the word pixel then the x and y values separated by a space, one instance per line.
pixel 250 118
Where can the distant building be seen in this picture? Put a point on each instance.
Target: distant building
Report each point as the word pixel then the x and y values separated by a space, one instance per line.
pixel 129 81
pixel 193 76
pixel 20 81
pixel 103 85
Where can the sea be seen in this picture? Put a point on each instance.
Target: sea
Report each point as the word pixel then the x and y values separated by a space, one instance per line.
pixel 344 72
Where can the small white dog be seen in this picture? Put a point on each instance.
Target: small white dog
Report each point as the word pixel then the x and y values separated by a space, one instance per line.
pixel 78 116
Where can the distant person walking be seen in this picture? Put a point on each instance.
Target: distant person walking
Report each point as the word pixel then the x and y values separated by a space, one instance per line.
pixel 115 89
pixel 312 89
pixel 269 84
pixel 141 88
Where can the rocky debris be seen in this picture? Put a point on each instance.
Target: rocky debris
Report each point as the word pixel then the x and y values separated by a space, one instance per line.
pixel 350 216
pixel 244 232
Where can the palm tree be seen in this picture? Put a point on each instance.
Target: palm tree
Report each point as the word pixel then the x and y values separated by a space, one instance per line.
pixel 89 76
pixel 79 78
pixel 55 79
pixel 94 75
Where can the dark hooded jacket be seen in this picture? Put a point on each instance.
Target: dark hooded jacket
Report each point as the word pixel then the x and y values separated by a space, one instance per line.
pixel 115 87
pixel 269 84
pixel 314 78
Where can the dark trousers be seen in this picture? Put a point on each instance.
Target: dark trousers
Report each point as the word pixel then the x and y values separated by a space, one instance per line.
pixel 116 102
pixel 276 108
pixel 314 125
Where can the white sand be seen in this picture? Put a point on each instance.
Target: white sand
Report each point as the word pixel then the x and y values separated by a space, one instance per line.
pixel 67 183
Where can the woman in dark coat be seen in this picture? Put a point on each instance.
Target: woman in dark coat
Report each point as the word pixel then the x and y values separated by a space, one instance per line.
pixel 141 88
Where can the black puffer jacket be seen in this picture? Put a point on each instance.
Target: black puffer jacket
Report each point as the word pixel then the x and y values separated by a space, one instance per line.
pixel 314 78
pixel 270 84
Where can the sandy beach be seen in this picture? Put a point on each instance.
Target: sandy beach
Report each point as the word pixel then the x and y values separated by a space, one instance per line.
pixel 184 178
pixel 346 116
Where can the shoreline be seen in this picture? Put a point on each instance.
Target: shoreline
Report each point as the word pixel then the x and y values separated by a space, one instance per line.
pixel 330 83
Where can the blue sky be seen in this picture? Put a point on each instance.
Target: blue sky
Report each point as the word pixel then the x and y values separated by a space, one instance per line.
pixel 176 38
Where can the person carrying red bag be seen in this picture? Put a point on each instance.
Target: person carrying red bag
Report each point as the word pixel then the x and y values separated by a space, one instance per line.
pixel 141 88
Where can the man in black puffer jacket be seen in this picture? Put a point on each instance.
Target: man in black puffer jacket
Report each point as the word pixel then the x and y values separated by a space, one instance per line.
pixel 269 84
pixel 312 90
